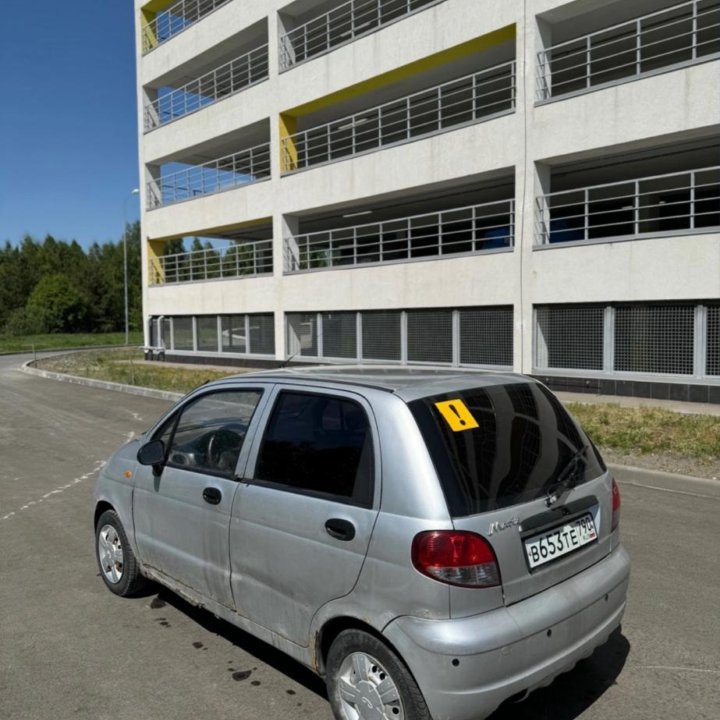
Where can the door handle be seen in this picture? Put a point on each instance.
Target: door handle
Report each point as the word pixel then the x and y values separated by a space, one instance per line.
pixel 212 495
pixel 340 529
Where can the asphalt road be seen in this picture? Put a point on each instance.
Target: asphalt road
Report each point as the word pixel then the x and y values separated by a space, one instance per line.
pixel 71 649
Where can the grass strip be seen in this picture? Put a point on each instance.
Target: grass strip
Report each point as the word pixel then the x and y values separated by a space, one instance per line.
pixel 647 430
pixel 59 341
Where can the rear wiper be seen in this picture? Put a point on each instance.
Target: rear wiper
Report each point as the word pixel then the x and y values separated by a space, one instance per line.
pixel 564 478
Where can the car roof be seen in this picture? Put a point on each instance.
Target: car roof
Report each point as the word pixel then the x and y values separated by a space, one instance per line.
pixel 408 383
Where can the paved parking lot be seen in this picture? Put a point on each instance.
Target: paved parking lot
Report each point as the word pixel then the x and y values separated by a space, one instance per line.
pixel 71 649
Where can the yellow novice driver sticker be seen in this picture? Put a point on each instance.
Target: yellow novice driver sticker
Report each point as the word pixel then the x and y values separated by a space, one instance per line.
pixel 457 415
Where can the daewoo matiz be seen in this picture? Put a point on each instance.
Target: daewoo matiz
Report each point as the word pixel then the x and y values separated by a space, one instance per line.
pixel 430 542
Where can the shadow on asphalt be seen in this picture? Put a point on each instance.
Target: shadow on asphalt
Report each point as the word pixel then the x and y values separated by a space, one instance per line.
pixel 259 649
pixel 567 698
pixel 575 691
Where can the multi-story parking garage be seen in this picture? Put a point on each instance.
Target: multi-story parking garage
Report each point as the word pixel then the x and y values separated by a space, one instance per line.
pixel 475 183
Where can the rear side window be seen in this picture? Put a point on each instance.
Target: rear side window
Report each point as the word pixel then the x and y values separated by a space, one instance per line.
pixel 320 445
pixel 523 441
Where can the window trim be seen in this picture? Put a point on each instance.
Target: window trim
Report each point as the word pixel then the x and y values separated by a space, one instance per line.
pixel 173 417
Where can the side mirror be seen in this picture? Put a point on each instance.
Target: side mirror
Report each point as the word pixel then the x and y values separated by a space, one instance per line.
pixel 153 453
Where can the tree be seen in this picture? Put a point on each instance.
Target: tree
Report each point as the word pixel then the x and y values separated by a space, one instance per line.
pixel 59 305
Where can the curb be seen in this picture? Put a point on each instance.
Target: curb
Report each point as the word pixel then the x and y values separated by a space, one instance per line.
pixel 28 368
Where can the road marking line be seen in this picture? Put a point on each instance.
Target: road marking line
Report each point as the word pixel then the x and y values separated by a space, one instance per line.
pixel 58 490
pixel 677 668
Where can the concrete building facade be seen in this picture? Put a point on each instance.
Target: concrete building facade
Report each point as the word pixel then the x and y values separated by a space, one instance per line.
pixel 527 186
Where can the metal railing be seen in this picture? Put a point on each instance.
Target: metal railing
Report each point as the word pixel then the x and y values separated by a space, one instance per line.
pixel 472 98
pixel 341 25
pixel 242 168
pixel 465 230
pixel 684 33
pixel 226 80
pixel 243 259
pixel 669 204
pixel 174 19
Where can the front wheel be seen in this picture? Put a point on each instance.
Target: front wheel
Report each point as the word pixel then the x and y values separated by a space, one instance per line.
pixel 118 566
pixel 367 681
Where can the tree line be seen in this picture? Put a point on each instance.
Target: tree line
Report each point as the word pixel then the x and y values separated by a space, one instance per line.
pixel 54 286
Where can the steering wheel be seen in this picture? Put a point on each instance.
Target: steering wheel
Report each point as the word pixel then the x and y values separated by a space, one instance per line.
pixel 220 442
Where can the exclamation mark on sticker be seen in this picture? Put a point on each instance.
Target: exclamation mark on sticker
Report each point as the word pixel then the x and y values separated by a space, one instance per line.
pixel 457 412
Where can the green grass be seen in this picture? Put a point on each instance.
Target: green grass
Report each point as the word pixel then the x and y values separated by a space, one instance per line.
pixel 59 341
pixel 648 430
pixel 127 366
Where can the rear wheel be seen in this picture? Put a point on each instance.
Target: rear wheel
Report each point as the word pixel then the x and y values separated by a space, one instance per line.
pixel 367 681
pixel 118 566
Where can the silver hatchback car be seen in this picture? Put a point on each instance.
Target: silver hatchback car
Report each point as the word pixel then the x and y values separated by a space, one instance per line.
pixel 431 542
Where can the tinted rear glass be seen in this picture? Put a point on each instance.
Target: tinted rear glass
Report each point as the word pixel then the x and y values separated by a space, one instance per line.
pixel 523 441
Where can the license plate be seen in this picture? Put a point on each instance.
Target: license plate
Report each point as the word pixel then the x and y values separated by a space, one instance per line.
pixel 560 541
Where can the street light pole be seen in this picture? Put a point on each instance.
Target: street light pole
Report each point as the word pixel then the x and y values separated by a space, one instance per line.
pixel 135 191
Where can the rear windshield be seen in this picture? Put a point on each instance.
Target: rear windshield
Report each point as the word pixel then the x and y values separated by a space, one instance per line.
pixel 502 445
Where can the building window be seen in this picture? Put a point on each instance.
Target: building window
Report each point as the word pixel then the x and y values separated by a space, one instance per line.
pixel 429 336
pixel 486 336
pixel 654 339
pixel 207 333
pixel 681 339
pixel 469 336
pixel 339 332
pixel 570 337
pixel 381 335
pixel 183 333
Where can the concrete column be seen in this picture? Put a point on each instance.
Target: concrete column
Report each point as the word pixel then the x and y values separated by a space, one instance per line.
pixel 284 226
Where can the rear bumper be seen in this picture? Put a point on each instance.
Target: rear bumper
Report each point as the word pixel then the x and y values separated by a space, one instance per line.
pixel 467 667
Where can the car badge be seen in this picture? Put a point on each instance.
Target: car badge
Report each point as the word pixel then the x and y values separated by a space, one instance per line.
pixel 496 527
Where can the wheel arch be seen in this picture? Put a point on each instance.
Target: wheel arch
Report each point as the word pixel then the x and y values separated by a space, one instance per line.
pixel 100 508
pixel 332 628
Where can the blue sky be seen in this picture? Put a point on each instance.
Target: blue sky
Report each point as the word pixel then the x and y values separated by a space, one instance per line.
pixel 68 120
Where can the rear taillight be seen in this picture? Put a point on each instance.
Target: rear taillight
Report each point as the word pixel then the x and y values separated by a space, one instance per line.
pixel 615 505
pixel 456 557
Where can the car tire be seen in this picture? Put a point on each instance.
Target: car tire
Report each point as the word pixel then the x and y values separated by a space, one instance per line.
pixel 118 567
pixel 366 679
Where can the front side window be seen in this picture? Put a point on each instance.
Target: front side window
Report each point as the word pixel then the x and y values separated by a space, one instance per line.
pixel 208 435
pixel 320 445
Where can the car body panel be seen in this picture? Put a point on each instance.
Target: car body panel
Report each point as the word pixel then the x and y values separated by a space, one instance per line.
pixel 467 667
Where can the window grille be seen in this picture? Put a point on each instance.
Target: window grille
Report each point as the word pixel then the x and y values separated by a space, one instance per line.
pixel 207 338
pixel 429 336
pixel 339 334
pixel 685 33
pixel 381 335
pixel 486 336
pixel 570 337
pixel 302 336
pixel 262 334
pixel 232 333
pixel 183 333
pixel 713 341
pixel 654 339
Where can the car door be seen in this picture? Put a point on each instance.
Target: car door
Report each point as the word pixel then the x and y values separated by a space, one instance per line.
pixel 302 520
pixel 182 514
